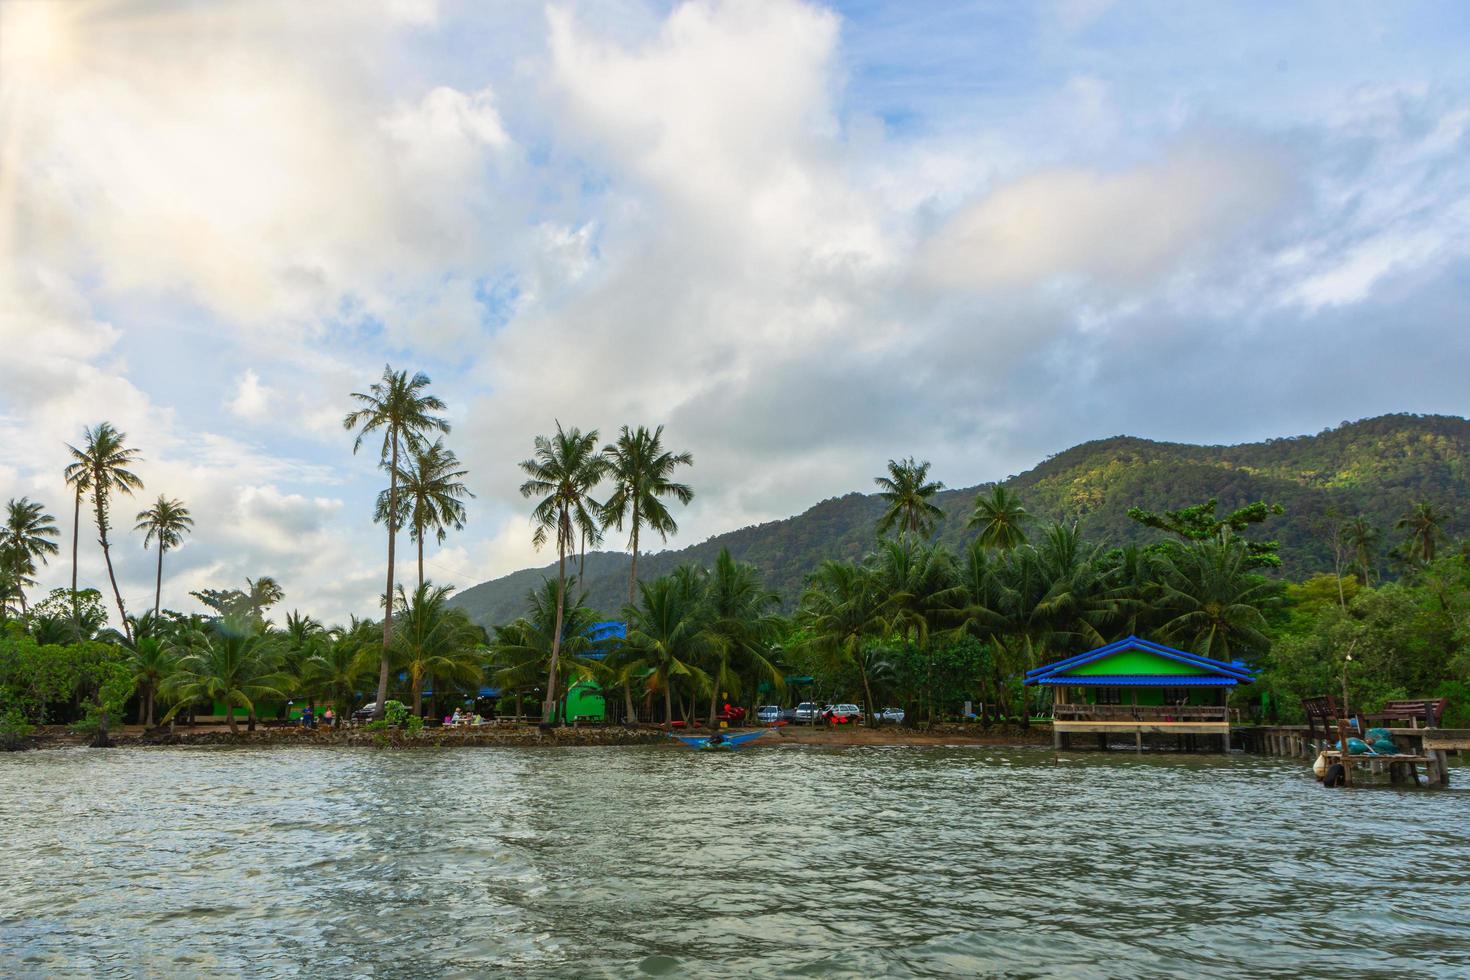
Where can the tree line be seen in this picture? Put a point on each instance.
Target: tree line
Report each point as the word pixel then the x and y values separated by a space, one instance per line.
pixel 912 622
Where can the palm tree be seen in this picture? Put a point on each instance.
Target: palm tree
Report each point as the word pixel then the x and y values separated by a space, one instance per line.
pixel 641 468
pixel 840 612
pixel 106 459
pixel 520 653
pixel 431 496
pixel 264 593
pixel 79 476
pixel 338 666
pixel 1424 525
pixel 1213 602
pixel 434 639
pixel 232 663
pixel 168 521
pixel 920 590
pixel 666 636
pixel 908 491
pixel 742 626
pixel 25 540
pixel 400 407
pixel 151 661
pixel 1001 519
pixel 563 473
pixel 1361 539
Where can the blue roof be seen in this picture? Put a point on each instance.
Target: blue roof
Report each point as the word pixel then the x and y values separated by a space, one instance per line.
pixel 1139 680
pixel 603 635
pixel 1225 674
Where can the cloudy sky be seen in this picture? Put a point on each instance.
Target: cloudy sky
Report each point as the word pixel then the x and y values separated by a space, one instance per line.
pixel 806 238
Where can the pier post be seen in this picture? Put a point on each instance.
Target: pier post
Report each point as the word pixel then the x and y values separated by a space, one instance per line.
pixel 1138 740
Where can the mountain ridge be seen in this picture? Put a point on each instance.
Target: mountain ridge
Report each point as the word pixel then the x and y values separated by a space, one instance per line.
pixel 1376 466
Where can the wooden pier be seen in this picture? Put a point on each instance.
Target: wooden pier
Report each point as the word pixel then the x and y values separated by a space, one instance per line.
pixel 1427 747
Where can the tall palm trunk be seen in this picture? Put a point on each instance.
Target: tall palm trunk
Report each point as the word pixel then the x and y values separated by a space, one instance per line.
pixel 633 572
pixel 629 712
pixel 418 694
pixel 548 707
pixel 107 557
pixel 870 717
pixel 158 584
pixel 378 705
pixel 668 706
pixel 76 533
pixel 230 717
pixel 582 556
pixel 151 699
pixel 714 700
pixel 420 532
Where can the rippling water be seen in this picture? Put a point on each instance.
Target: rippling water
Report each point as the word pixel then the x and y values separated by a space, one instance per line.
pixel 574 862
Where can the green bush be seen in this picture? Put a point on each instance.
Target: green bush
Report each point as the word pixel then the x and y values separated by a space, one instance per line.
pixel 396 713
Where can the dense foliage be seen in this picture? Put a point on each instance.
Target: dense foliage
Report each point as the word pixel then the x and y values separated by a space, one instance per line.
pixel 1376 468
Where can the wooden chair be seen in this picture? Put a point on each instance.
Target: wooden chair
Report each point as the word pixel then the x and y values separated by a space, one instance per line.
pixel 1325 711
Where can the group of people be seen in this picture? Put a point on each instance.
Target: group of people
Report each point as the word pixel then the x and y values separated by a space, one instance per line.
pixel 309 719
pixel 464 718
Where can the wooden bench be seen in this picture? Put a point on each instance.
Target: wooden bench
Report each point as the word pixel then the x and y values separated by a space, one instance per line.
pixel 1412 710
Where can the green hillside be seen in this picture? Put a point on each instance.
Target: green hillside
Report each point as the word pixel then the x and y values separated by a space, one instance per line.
pixel 1377 467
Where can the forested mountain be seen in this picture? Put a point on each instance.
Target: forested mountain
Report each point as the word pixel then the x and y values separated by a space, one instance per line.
pixel 1376 467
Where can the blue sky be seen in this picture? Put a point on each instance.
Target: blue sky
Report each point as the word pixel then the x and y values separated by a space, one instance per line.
pixel 805 237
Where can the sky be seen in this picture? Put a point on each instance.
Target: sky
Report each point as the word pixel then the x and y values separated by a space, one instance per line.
pixel 804 238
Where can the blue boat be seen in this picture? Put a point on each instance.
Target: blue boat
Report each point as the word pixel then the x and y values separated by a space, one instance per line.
pixel 726 743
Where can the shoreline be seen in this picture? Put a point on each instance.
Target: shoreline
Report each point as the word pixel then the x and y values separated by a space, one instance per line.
pixel 525 736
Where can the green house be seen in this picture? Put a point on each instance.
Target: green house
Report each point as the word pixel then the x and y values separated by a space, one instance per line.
pixel 1137 687
pixel 584 701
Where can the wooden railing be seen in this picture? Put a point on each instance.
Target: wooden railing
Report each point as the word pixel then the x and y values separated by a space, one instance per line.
pixel 1142 713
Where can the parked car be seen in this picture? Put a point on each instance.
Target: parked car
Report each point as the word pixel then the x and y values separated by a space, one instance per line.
pixel 807 711
pixel 894 715
pixel 366 712
pixel 768 714
pixel 843 714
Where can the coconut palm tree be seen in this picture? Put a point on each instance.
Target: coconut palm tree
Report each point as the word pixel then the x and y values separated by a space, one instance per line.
pixel 641 471
pixel 105 457
pixel 1213 604
pixel 400 408
pixel 520 652
pixel 152 662
pixel 78 476
pixel 908 490
pixel 1001 519
pixel 264 593
pixel 434 639
pixel 167 521
pixel 667 637
pixel 232 663
pixel 920 590
pixel 25 542
pixel 563 474
pixel 1361 538
pixel 1425 525
pixel 840 612
pixel 742 627
pixel 342 661
pixel 431 498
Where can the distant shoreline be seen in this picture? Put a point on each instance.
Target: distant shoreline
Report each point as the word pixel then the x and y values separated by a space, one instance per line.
pixel 528 736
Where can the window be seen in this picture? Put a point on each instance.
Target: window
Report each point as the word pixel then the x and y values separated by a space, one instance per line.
pixel 1176 695
pixel 1110 695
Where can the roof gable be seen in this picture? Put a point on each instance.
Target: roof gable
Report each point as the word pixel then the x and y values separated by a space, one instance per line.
pixel 1134 657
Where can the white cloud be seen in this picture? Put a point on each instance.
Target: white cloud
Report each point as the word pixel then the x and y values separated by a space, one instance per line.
pixel 252 400
pixel 1124 228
